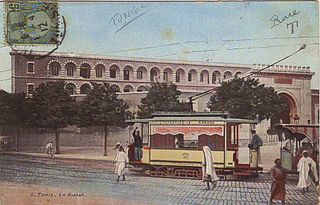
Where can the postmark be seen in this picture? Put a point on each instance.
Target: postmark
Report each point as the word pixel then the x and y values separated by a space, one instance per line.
pixel 31 22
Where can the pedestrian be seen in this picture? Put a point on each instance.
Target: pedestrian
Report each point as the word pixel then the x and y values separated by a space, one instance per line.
pixel 120 162
pixel 49 149
pixel 255 144
pixel 307 169
pixel 116 147
pixel 137 144
pixel 279 176
pixel 209 174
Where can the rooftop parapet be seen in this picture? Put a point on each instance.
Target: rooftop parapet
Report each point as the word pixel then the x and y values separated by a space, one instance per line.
pixel 283 68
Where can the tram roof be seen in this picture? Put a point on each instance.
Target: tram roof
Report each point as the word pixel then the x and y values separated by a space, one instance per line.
pixel 206 116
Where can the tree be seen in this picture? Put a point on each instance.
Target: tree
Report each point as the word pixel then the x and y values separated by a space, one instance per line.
pixel 54 108
pixel 161 97
pixel 16 112
pixel 247 98
pixel 101 107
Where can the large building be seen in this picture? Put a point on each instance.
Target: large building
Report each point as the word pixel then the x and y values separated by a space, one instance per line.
pixel 132 76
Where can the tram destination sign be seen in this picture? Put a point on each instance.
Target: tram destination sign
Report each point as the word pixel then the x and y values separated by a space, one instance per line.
pixel 186 122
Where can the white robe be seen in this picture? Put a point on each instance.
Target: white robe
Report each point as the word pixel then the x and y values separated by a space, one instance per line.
pixel 303 169
pixel 120 163
pixel 207 162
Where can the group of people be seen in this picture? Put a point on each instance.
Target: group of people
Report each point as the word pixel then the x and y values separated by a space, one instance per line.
pixel 307 167
pixel 308 174
pixel 121 160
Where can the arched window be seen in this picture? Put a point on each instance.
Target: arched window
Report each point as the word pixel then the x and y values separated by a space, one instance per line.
pixel 70 67
pixel 71 88
pixel 142 88
pixel 99 70
pixel 204 77
pixel 54 68
pixel 154 74
pixel 167 75
pixel 128 88
pixel 127 72
pixel 237 75
pixel 85 89
pixel 192 76
pixel 115 88
pixel 227 75
pixel 85 70
pixel 216 77
pixel 141 73
pixel 114 71
pixel 180 76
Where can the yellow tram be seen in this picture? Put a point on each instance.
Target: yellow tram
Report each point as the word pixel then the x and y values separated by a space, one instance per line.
pixel 174 144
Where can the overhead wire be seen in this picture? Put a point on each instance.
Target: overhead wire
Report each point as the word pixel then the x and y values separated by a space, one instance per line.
pixel 199 95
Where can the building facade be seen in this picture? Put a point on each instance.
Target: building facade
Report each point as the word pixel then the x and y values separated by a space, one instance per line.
pixel 131 77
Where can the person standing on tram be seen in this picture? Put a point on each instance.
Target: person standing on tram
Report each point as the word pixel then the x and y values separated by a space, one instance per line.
pixel 137 144
pixel 255 144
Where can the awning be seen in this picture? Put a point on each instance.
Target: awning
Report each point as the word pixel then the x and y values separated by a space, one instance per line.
pixel 298 132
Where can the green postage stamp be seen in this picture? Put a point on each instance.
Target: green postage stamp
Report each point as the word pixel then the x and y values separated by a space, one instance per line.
pixel 31 22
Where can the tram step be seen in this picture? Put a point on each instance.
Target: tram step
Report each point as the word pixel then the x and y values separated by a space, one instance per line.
pixel 242 173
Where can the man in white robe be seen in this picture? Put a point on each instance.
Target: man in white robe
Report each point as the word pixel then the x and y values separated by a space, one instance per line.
pixel 49 149
pixel 209 174
pixel 120 163
pixel 305 166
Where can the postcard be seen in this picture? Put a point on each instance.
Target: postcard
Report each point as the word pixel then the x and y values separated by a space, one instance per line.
pixel 159 102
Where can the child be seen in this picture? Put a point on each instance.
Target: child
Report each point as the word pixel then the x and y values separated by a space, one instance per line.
pixel 120 163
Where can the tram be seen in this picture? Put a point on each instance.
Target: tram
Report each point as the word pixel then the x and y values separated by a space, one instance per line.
pixel 174 144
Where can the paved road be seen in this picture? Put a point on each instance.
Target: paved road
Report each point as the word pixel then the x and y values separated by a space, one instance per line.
pixel 97 181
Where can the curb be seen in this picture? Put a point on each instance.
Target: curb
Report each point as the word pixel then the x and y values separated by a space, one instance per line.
pixel 56 156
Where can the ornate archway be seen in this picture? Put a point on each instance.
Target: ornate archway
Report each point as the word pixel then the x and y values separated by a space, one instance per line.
pixel 288 115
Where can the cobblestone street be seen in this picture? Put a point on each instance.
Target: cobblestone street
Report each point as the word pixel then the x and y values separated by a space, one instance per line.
pixel 101 183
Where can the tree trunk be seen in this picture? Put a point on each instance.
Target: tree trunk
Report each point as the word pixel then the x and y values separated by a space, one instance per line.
pixel 105 141
pixel 57 135
pixel 17 133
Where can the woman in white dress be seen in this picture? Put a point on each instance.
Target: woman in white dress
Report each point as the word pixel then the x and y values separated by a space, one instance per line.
pixel 209 174
pixel 120 163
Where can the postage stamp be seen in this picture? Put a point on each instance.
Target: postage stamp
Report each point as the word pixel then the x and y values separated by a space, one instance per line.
pixel 31 22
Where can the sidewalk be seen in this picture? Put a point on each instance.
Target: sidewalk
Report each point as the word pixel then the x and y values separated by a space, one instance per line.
pixel 269 153
pixel 79 153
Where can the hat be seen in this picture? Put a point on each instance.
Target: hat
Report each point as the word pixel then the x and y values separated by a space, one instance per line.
pixel 118 144
pixel 305 151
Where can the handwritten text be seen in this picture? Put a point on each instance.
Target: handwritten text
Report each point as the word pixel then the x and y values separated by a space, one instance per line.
pixel 123 19
pixel 275 20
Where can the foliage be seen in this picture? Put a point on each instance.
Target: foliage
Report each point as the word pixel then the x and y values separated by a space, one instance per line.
pixel 54 106
pixel 101 107
pixel 15 109
pixel 161 97
pixel 245 98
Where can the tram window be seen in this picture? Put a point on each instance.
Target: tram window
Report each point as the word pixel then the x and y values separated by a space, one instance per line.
pixel 214 142
pixel 232 137
pixel 178 141
pixel 162 141
pixel 188 141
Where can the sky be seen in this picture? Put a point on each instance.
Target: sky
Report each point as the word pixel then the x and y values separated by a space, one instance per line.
pixel 227 32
